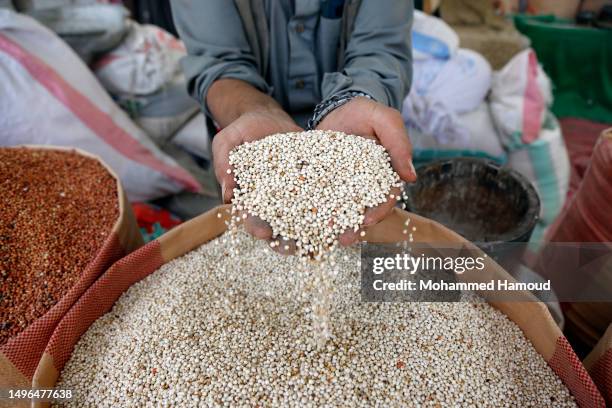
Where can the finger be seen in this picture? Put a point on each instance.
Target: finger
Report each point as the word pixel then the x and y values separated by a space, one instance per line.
pixel 374 215
pixel 348 238
pixel 349 129
pixel 340 119
pixel 390 130
pixel 222 145
pixel 257 227
pixel 284 246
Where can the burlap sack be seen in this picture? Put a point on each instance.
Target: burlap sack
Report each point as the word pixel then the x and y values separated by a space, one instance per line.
pixel 20 357
pixel 533 317
pixel 471 12
pixel 599 365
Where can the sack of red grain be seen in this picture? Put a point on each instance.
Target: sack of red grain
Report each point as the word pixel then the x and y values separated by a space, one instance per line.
pixel 599 365
pixel 64 221
pixel 532 317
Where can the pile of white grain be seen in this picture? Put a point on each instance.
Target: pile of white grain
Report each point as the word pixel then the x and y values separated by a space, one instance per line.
pixel 215 329
pixel 225 324
pixel 312 186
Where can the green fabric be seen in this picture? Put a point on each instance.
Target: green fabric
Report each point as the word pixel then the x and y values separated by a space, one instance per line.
pixel 579 62
pixel 428 155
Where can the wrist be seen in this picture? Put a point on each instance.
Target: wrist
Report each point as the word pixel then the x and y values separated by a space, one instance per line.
pixel 228 99
pixel 332 103
pixel 265 109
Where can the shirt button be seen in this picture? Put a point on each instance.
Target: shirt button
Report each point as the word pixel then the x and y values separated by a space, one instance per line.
pixel 299 84
pixel 299 28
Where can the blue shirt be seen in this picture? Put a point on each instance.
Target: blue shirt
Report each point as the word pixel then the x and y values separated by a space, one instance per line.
pixel 304 39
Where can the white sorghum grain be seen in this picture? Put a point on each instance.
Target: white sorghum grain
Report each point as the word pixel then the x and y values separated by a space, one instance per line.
pixel 311 186
pixel 215 329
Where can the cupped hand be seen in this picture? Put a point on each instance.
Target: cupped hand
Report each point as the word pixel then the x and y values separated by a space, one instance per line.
pixel 248 127
pixel 365 117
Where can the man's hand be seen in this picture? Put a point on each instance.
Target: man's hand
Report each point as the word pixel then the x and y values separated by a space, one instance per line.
pixel 245 114
pixel 364 117
pixel 249 127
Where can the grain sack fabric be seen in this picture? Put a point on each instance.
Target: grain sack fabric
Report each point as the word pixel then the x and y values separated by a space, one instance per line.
pixel 545 163
pixel 587 217
pixel 531 316
pixel 144 76
pixel 482 142
pixel 432 37
pixel 20 357
pixel 442 90
pixel 49 96
pixel 599 365
pixel 520 95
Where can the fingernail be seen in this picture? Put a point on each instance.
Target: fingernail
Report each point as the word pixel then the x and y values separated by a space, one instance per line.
pixel 412 169
pixel 223 192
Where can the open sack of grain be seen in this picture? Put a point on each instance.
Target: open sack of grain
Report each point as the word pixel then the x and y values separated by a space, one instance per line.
pixel 599 364
pixel 64 221
pixel 198 323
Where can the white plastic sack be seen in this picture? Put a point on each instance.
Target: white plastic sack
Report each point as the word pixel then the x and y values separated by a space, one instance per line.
pixel 50 97
pixel 545 163
pixel 432 37
pixel 482 140
pixel 194 137
pixel 144 76
pixel 442 89
pixel 89 29
pixel 161 113
pixel 520 95
pixel 146 60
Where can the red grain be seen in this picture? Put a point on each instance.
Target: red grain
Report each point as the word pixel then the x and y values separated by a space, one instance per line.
pixel 56 210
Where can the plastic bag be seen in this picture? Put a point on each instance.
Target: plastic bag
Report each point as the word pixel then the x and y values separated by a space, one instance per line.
pixel 144 76
pixel 520 95
pixel 162 113
pixel 444 88
pixel 432 37
pixel 545 163
pixel 482 139
pixel 89 29
pixel 194 138
pixel 146 60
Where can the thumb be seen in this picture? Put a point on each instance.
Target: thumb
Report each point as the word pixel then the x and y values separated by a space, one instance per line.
pixel 391 132
pixel 223 196
pixel 227 188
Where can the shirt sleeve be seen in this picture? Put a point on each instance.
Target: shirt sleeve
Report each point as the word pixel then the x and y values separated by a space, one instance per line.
pixel 378 56
pixel 216 44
